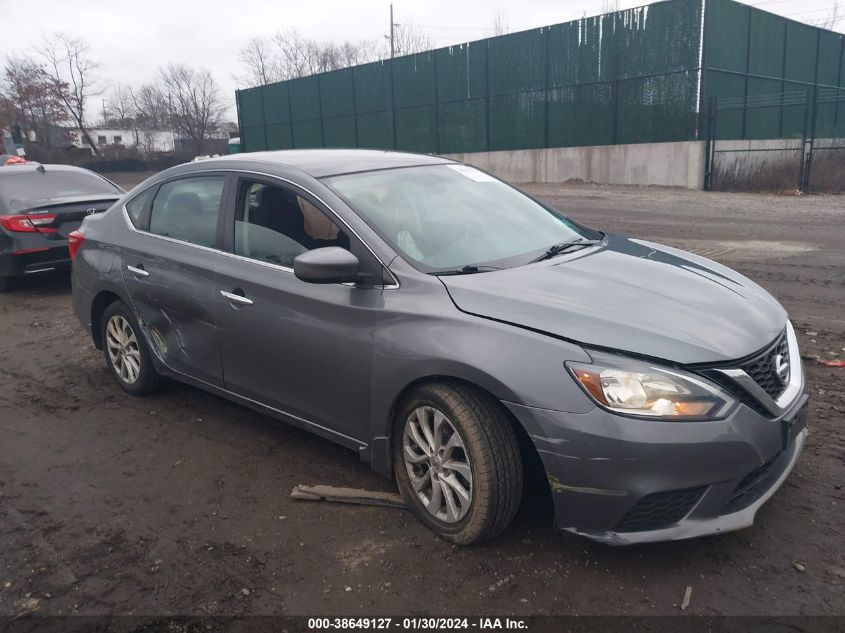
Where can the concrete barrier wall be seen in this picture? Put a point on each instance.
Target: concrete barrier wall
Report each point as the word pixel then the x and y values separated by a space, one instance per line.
pixel 678 164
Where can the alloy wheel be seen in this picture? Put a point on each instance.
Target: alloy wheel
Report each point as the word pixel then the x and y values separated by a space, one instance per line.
pixel 438 464
pixel 123 350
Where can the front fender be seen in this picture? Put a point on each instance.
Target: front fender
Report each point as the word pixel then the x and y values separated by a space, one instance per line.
pixel 512 364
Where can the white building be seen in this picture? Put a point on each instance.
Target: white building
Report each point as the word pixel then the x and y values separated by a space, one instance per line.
pixel 146 141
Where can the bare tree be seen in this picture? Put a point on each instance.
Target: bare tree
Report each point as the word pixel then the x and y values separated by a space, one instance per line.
pixel 409 38
pixel 7 113
pixel 831 20
pixel 609 6
pixel 288 54
pixel 261 61
pixel 119 108
pixel 70 70
pixel 152 107
pixel 499 26
pixel 35 106
pixel 194 99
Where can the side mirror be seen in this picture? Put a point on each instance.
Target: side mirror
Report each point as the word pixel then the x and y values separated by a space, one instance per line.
pixel 329 265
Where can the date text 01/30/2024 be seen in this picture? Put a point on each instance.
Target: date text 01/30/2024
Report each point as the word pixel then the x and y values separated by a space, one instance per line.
pixel 417 624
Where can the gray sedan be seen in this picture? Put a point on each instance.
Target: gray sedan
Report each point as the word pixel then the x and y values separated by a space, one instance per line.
pixel 455 332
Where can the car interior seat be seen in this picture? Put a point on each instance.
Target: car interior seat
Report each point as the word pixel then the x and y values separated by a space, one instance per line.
pixel 278 210
pixel 185 210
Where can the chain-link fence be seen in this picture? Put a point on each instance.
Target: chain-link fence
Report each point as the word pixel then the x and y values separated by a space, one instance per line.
pixel 811 159
pixel 825 165
pixel 738 160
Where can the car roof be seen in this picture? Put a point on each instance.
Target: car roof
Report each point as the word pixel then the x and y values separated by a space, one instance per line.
pixel 320 163
pixel 28 168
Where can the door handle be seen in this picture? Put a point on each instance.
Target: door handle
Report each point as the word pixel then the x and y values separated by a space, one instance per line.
pixel 140 272
pixel 240 299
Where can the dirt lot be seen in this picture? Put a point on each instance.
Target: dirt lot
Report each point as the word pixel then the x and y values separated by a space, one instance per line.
pixel 178 503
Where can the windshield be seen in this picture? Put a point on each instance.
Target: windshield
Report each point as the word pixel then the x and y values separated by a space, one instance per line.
pixel 24 190
pixel 444 217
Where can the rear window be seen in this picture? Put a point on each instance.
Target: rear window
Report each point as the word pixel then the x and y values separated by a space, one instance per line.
pixel 25 190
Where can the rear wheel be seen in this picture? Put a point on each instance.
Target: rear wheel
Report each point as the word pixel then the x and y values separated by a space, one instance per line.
pixel 126 352
pixel 457 462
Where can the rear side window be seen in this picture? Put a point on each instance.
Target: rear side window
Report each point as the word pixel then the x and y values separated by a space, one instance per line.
pixel 138 205
pixel 188 209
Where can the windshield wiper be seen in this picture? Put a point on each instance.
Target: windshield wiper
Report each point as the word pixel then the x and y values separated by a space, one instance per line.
pixel 466 270
pixel 557 249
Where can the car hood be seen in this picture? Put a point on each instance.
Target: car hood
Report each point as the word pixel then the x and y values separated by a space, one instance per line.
pixel 632 296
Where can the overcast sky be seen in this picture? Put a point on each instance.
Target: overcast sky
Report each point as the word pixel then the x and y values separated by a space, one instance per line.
pixel 131 40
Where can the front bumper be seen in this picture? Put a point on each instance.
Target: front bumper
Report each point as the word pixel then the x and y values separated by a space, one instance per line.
pixel 622 481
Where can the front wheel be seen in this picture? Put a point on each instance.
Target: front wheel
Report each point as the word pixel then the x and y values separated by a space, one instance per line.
pixel 126 352
pixel 457 462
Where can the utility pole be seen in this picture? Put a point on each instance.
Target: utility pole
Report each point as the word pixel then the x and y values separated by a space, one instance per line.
pixel 392 52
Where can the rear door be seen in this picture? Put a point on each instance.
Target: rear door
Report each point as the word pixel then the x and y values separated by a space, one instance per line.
pixel 168 266
pixel 305 349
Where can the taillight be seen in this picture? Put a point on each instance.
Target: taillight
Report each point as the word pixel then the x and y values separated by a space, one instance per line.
pixel 75 239
pixel 27 223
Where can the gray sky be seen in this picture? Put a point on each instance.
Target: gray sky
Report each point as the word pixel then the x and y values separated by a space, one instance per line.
pixel 131 40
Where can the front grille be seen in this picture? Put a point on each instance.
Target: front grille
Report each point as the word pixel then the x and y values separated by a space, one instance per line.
pixel 729 385
pixel 753 485
pixel 762 368
pixel 660 509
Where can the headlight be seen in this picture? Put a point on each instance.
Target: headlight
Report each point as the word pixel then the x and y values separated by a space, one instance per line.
pixel 642 389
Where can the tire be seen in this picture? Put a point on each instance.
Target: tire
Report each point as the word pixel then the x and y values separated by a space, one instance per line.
pixel 487 449
pixel 126 351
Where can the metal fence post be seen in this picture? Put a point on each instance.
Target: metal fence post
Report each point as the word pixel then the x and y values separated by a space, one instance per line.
pixel 710 133
pixel 548 88
pixel 807 144
pixel 392 100
pixel 436 107
pixel 320 103
pixel 804 172
pixel 354 107
pixel 263 118
pixel 487 90
pixel 747 72
pixel 290 117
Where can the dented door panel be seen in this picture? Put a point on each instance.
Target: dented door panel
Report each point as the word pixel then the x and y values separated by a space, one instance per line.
pixel 171 285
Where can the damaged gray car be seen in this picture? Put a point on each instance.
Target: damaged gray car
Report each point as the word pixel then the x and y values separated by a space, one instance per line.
pixel 455 332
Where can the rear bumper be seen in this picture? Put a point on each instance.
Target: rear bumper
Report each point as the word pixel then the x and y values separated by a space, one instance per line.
pixel 33 262
pixel 623 481
pixel 30 253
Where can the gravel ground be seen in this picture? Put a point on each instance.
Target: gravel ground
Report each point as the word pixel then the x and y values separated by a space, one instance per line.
pixel 178 503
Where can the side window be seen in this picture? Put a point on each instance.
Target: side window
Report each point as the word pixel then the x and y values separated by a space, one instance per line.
pixel 188 209
pixel 273 224
pixel 138 205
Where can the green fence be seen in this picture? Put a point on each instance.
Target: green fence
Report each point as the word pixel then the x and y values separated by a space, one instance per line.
pixel 624 77
pixel 632 76
pixel 752 56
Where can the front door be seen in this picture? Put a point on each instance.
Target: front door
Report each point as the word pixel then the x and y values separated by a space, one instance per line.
pixel 168 268
pixel 304 349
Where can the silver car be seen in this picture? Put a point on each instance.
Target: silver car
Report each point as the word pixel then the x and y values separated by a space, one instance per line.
pixel 455 332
